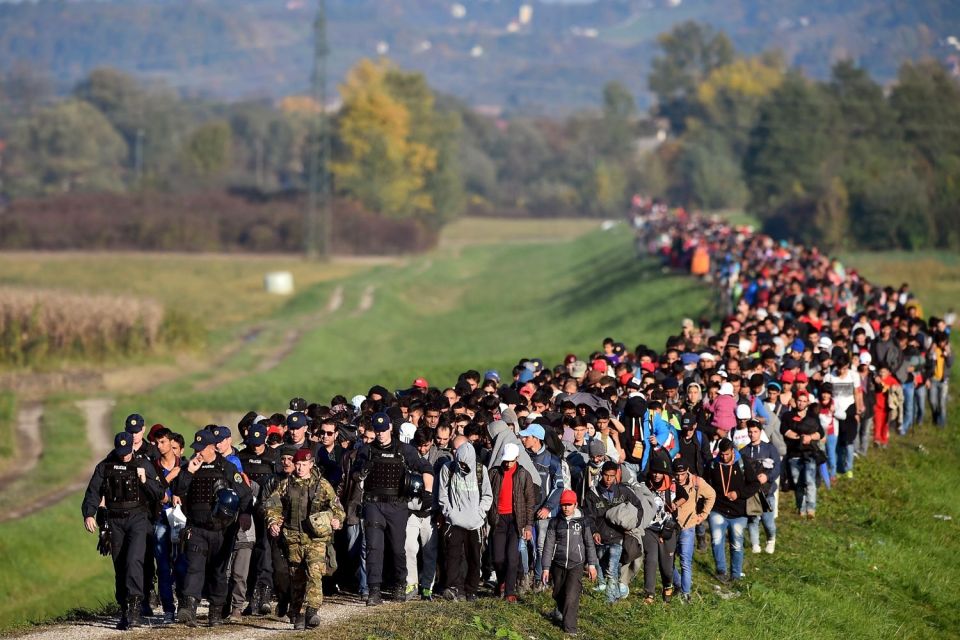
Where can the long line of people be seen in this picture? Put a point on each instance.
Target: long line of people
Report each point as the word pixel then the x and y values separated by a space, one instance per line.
pixel 621 463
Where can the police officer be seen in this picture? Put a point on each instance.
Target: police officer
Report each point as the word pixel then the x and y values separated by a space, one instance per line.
pixel 208 549
pixel 127 487
pixel 297 424
pixel 384 464
pixel 305 509
pixel 143 449
pixel 259 462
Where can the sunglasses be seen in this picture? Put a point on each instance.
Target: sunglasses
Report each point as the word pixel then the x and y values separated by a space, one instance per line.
pixel 328 433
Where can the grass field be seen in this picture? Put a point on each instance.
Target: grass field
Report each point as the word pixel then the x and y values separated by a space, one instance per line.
pixel 8 435
pixel 875 563
pixel 934 276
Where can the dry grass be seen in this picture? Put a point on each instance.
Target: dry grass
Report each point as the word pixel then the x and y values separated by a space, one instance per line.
pixel 38 324
pixel 933 276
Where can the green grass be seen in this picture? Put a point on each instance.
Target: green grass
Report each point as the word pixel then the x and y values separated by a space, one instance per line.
pixel 8 431
pixel 65 454
pixel 933 275
pixel 470 231
pixel 49 565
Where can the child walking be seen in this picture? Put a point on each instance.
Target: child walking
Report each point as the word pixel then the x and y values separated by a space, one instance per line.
pixel 568 548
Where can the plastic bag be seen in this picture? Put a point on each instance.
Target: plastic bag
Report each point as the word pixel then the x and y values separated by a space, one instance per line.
pixel 178 522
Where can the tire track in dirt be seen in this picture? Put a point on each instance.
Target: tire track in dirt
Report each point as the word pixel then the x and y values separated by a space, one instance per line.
pixel 99 442
pixel 29 443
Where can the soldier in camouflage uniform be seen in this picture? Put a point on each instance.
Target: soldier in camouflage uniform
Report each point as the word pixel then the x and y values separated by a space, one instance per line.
pixel 305 509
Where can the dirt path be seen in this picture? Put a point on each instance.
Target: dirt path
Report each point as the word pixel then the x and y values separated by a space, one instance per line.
pixel 99 442
pixel 29 443
pixel 333 610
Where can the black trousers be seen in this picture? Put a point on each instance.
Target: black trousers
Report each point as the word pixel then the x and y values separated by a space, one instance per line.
pixel 657 553
pixel 385 523
pixel 128 539
pixel 208 563
pixel 464 547
pixel 505 551
pixel 566 594
pixel 281 570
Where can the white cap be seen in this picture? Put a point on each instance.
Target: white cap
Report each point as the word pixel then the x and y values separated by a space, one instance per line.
pixel 511 451
pixel 407 431
pixel 357 400
pixel 825 343
pixel 762 313
pixel 726 389
pixel 743 411
pixel 865 357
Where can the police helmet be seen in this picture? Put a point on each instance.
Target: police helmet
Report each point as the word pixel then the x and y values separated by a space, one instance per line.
pixel 413 485
pixel 226 505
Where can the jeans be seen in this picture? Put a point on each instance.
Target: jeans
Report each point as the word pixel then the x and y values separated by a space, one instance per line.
pixel 720 528
pixel 162 551
pixel 865 435
pixel 609 556
pixel 357 550
pixel 803 472
pixel 909 404
pixel 541 531
pixel 769 524
pixel 845 453
pixel 686 543
pixel 938 401
pixel 920 406
pixel 832 455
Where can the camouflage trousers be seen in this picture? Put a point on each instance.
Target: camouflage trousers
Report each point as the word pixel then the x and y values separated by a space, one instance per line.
pixel 308 564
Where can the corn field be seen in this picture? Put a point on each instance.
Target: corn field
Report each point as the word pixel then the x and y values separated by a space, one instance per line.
pixel 37 326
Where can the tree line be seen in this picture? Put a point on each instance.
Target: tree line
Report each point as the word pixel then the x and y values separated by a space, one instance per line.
pixel 845 162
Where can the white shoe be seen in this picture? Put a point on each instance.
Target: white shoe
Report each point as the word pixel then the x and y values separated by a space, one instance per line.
pixel 756 548
pixel 771 545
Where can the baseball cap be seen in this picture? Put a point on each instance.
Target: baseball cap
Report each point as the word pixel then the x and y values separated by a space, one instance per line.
pixel 568 497
pixel 743 412
pixel 134 423
pixel 421 383
pixel 202 440
pixel 788 377
pixel 256 435
pixel 492 374
pixel 381 422
pixel 525 376
pixel 797 345
pixel 578 369
pixel 296 420
pixel 535 431
pixel 303 454
pixel 511 451
pixel 802 377
pixel 123 444
pixel 220 433
pixel 726 389
pixel 407 431
pixel 679 466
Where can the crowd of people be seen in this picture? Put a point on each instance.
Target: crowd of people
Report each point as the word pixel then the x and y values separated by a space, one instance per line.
pixel 616 465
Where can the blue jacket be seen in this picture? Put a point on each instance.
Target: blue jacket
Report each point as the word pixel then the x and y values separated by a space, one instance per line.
pixel 667 436
pixel 551 479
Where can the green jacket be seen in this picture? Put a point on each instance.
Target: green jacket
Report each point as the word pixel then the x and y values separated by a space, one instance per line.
pixel 306 507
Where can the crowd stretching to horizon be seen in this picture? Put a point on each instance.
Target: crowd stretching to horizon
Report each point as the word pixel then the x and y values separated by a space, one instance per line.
pixel 617 464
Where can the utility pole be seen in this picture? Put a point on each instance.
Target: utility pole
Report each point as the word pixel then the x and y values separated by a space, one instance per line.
pixel 318 197
pixel 138 158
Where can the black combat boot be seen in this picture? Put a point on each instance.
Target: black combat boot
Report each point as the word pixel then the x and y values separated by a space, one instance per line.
pixel 188 612
pixel 374 599
pixel 282 606
pixel 266 595
pixel 299 622
pixel 215 617
pixel 134 617
pixel 312 617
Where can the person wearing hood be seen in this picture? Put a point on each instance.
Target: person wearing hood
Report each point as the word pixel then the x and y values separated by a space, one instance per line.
pixel 568 549
pixel 464 497
pixel 511 517
pixel 660 536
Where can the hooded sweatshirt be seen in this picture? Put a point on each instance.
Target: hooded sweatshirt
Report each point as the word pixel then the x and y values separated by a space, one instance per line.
pixel 501 434
pixel 463 502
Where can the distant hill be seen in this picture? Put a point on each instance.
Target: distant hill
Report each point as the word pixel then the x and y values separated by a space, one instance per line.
pixel 486 52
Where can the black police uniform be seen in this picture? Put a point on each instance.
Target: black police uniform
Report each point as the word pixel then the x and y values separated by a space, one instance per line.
pixel 385 510
pixel 260 468
pixel 208 549
pixel 149 453
pixel 128 511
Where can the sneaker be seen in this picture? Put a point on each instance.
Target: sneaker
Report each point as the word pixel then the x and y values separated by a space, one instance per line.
pixel 649 598
pixel 756 548
pixel 667 594
pixel 811 514
pixel 624 591
pixel 235 616
pixel 771 545
pixel 556 617
pixel 723 578
pixel 472 597
pixel 426 595
pixel 685 598
pixel 169 617
pixel 450 593
pixel 601 586
pixel 848 474
pixel 511 599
